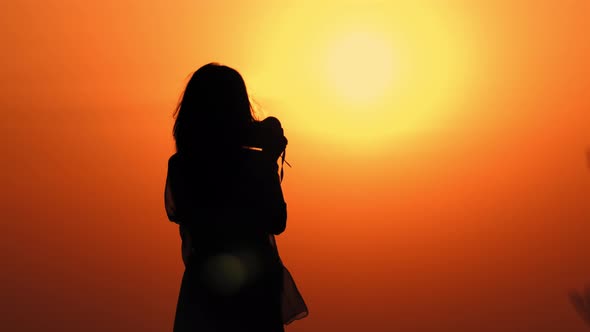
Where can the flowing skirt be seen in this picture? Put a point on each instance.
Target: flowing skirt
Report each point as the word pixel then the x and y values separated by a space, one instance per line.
pixel 254 306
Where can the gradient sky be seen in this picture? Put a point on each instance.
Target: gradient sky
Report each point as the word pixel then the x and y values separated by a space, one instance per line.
pixel 439 183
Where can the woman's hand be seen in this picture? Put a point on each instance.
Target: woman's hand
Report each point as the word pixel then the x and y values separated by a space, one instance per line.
pixel 275 149
pixel 275 141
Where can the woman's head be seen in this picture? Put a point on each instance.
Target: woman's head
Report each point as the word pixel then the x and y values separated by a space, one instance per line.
pixel 214 110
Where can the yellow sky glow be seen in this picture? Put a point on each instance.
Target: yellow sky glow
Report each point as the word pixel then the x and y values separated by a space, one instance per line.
pixel 370 74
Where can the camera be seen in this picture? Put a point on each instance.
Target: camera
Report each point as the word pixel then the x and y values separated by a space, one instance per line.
pixel 266 136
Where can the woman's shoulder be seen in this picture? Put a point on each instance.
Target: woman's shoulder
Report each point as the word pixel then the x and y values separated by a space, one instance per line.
pixel 196 163
pixel 247 160
pixel 174 162
pixel 178 162
pixel 173 158
pixel 178 159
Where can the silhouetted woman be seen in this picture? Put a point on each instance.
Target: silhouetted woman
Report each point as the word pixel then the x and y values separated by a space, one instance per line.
pixel 224 191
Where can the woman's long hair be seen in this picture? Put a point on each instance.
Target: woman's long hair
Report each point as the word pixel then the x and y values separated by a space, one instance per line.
pixel 214 112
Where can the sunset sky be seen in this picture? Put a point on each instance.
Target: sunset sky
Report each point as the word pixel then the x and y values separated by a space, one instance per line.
pixel 440 179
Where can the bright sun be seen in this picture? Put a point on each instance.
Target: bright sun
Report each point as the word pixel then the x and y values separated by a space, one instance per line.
pixel 362 75
pixel 360 67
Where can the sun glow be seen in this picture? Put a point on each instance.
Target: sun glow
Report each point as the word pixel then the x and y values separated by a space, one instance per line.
pixel 360 67
pixel 364 76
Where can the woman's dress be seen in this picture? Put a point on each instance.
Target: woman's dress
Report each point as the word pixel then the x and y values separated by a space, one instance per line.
pixel 227 207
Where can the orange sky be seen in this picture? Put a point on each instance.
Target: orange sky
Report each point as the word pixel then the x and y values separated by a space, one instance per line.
pixel 453 196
